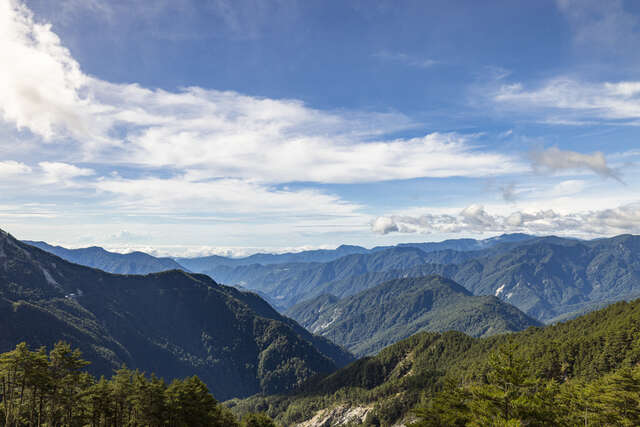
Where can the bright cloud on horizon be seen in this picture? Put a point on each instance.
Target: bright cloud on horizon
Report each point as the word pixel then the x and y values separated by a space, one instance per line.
pixel 116 151
pixel 475 219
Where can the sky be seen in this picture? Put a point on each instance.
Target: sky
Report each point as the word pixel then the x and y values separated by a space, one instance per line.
pixel 192 127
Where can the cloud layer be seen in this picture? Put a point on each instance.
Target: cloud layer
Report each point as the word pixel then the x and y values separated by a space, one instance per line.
pixel 475 219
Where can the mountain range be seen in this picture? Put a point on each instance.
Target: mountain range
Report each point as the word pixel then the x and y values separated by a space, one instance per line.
pixel 97 257
pixel 385 314
pixel 172 323
pixel 549 278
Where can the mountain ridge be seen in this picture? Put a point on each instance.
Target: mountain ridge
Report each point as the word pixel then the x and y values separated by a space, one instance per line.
pixel 374 318
pixel 173 323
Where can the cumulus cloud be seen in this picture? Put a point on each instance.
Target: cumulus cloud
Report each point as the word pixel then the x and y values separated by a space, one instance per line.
pixel 384 225
pixel 554 160
pixel 475 219
pixel 43 89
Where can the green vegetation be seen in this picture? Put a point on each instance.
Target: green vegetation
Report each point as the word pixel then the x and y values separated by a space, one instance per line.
pixel 511 394
pixel 172 323
pixel 40 389
pixel 586 365
pixel 373 319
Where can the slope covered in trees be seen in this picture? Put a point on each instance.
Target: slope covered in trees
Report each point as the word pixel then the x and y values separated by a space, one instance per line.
pixel 173 324
pixel 53 389
pixel 554 375
pixel 375 318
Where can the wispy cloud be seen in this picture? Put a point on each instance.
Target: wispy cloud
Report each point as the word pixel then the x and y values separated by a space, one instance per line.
pixel 604 25
pixel 406 59
pixel 568 101
pixel 223 134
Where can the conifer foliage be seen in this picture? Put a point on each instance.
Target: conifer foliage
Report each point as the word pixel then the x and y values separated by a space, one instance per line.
pixel 512 395
pixel 39 388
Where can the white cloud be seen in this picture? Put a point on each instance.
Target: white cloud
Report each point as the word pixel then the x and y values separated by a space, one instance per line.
pixel 384 225
pixel 475 219
pixel 241 197
pixel 11 168
pixel 42 87
pixel 568 101
pixel 568 188
pixel 225 134
pixel 57 172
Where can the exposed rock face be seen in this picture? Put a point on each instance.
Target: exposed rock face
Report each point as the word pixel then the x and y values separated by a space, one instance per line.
pixel 338 416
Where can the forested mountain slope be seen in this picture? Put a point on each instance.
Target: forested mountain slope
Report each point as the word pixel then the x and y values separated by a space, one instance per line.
pixel 375 318
pixel 583 370
pixel 172 323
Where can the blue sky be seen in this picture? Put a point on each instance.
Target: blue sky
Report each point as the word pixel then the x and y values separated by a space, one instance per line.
pixel 190 127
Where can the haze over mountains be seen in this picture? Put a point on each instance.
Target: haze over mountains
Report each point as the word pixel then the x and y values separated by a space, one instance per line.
pixel 546 277
pixel 549 278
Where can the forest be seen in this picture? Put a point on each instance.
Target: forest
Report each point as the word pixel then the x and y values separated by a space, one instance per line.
pixel 53 389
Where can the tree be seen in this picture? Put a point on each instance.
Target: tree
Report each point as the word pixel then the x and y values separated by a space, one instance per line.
pixel 257 420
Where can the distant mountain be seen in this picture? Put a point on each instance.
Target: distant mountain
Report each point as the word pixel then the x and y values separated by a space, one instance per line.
pixel 470 244
pixel 202 264
pixel 96 257
pixel 287 284
pixel 172 323
pixel 370 320
pixel 208 263
pixel 548 278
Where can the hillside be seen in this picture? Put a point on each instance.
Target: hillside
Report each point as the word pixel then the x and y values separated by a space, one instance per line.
pixel 567 362
pixel 96 257
pixel 549 278
pixel 172 323
pixel 288 284
pixel 370 320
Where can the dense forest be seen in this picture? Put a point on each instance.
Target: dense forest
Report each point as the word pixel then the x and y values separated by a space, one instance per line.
pixel 53 389
pixel 582 372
